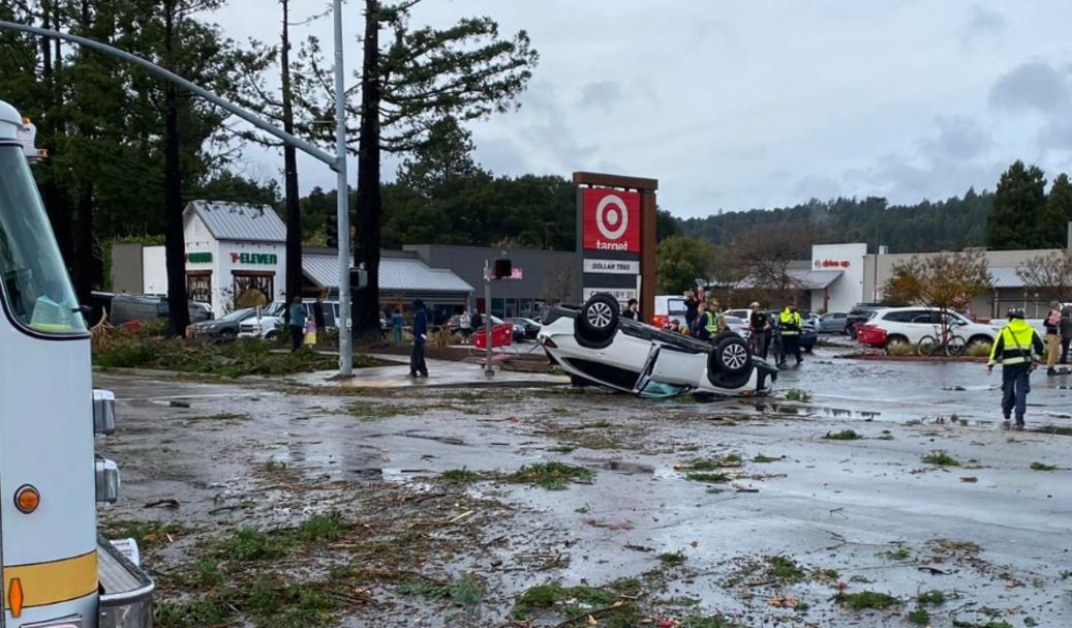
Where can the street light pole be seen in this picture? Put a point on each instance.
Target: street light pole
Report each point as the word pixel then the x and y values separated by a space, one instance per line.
pixel 342 207
pixel 488 368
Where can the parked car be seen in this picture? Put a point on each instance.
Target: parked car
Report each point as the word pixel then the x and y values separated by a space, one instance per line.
pixel 453 325
pixel 736 324
pixel 529 326
pixel 124 308
pixel 833 323
pixel 595 345
pixel 265 323
pixel 668 307
pixel 911 324
pixel 226 327
pixel 860 314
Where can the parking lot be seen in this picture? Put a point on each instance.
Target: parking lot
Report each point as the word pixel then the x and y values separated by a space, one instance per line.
pixel 864 493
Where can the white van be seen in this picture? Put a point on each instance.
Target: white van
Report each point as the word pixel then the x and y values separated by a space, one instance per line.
pixel 668 307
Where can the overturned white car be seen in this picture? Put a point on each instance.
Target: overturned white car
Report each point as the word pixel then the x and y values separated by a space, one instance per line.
pixel 594 344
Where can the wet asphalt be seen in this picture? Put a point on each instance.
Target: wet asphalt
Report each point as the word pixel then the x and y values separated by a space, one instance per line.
pixel 829 504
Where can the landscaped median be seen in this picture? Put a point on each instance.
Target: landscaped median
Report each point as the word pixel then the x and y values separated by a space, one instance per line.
pixel 146 348
pixel 906 352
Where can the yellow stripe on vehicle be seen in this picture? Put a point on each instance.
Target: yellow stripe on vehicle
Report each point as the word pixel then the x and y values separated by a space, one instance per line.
pixel 53 582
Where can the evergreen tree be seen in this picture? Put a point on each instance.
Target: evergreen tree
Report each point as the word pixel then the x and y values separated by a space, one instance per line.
pixel 1057 213
pixel 1016 221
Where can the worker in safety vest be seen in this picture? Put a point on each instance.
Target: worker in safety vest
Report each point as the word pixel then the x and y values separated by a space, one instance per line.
pixel 791 324
pixel 1018 346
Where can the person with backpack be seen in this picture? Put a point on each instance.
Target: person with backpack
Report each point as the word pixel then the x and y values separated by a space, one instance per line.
pixel 1018 347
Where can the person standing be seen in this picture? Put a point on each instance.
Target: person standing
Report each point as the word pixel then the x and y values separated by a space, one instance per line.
pixel 298 315
pixel 704 323
pixel 692 307
pixel 1066 331
pixel 420 336
pixel 465 324
pixel 631 312
pixel 758 328
pixel 1018 346
pixel 1053 338
pixel 397 323
pixel 791 324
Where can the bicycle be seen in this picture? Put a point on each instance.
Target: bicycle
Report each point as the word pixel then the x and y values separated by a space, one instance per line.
pixel 949 344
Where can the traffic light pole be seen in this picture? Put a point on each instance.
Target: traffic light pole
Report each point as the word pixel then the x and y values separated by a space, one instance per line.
pixel 489 370
pixel 337 162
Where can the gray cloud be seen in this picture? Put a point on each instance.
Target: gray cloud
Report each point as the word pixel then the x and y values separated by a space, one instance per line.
pixel 601 95
pixel 984 26
pixel 1034 85
pixel 957 138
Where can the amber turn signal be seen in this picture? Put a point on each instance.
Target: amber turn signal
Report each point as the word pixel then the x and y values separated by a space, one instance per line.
pixel 15 597
pixel 27 499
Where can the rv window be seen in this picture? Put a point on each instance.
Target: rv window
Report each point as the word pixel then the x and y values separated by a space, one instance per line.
pixel 36 290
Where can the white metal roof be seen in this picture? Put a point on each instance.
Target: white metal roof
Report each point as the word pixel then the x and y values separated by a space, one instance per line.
pixel 1005 277
pixel 396 275
pixel 800 279
pixel 238 222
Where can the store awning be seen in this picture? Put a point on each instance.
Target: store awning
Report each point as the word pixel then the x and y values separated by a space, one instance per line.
pixel 798 280
pixel 406 275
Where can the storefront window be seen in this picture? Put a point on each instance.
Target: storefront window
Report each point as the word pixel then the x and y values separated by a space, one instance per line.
pixel 511 308
pixel 36 288
pixel 497 307
pixel 253 289
pixel 199 287
pixel 524 308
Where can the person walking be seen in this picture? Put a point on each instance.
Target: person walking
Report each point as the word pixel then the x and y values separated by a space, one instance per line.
pixel 420 336
pixel 298 315
pixel 1052 323
pixel 397 323
pixel 791 324
pixel 758 329
pixel 631 312
pixel 1066 331
pixel 1018 347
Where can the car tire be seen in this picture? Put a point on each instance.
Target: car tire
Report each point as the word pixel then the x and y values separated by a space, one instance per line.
pixel 731 356
pixel 271 335
pixel 598 318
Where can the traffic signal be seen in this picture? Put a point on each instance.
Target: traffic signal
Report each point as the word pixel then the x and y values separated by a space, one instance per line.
pixel 333 233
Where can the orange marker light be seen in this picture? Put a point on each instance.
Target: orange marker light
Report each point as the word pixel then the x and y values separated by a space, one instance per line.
pixel 15 597
pixel 27 499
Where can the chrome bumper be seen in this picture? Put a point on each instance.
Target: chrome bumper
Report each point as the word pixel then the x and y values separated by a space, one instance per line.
pixel 126 599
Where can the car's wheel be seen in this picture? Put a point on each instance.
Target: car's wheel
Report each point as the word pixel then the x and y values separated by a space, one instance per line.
pixel 271 335
pixel 731 356
pixel 598 318
pixel 228 335
pixel 850 331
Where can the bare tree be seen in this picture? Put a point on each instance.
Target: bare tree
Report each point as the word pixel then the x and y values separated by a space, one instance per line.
pixel 558 281
pixel 767 252
pixel 1048 273
pixel 945 280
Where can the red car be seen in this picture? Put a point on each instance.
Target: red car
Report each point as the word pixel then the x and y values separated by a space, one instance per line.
pixel 871 335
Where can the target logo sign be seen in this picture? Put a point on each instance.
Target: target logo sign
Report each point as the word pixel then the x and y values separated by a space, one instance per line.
pixel 611 220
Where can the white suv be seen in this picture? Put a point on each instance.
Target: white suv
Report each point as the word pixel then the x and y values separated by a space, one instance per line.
pixel 912 324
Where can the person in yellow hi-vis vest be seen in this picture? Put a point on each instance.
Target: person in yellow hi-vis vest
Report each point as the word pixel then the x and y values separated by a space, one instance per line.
pixel 790 324
pixel 1018 347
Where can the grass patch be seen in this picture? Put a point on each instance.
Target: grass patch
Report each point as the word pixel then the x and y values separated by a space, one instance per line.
pixel 901 553
pixel 761 459
pixel 672 559
pixel 708 477
pixel 466 591
pixel 842 435
pixel 144 348
pixel 193 613
pixel 371 411
pixel 221 416
pixel 933 598
pixel 950 546
pixel 148 534
pixel 866 600
pixel 941 458
pixel 577 602
pixel 785 569
pixel 1041 466
pixel 902 348
pixel 796 394
pixel 553 476
pixel 250 544
pixel 717 621
pixel 561 449
pixel 979 349
pixel 460 476
pixel 718 462
pixel 919 617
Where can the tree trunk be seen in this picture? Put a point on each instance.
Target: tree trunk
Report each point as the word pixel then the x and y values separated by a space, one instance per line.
pixel 85 259
pixel 366 304
pixel 174 241
pixel 290 165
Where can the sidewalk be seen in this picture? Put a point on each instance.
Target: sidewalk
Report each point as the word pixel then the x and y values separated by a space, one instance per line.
pixel 441 374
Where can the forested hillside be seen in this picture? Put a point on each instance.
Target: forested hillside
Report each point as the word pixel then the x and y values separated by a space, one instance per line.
pixel 952 224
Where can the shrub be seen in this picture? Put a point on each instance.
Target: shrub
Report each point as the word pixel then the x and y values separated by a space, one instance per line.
pixel 902 349
pixel 978 349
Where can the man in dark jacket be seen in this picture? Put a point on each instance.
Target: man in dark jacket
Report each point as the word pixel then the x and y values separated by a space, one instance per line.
pixel 1066 331
pixel 631 311
pixel 420 336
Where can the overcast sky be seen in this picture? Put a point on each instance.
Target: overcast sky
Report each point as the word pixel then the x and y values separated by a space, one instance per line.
pixel 757 103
